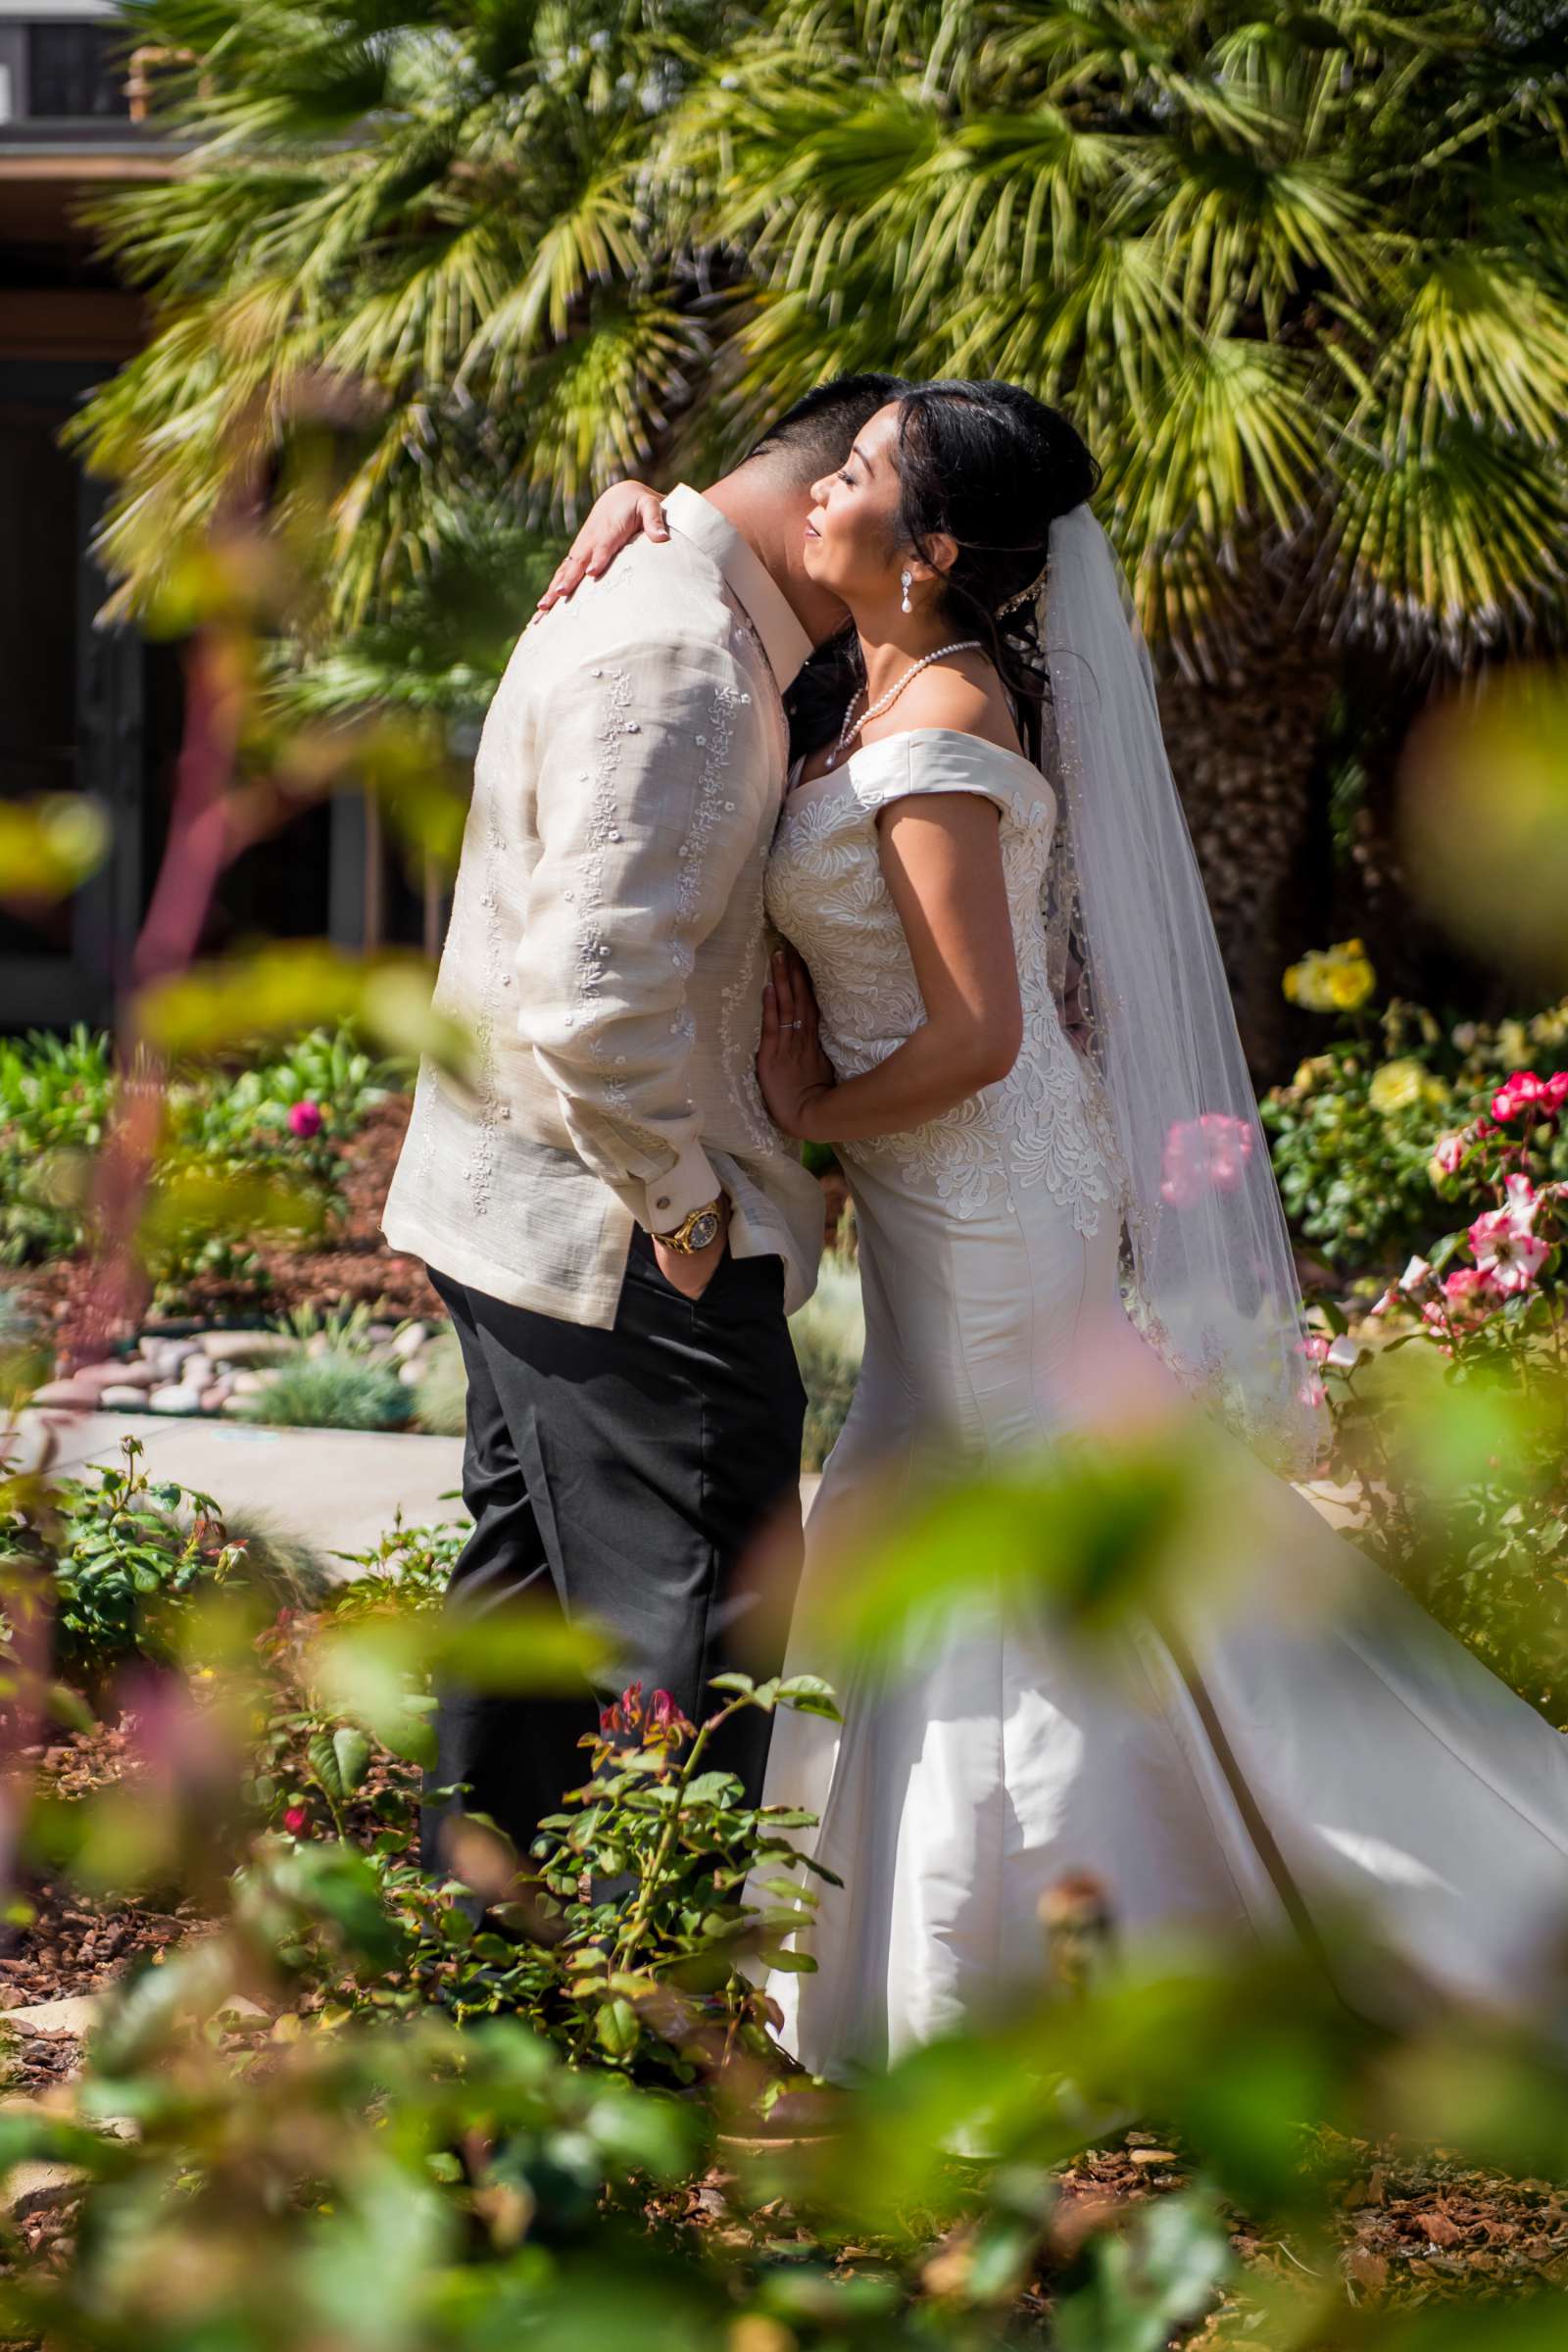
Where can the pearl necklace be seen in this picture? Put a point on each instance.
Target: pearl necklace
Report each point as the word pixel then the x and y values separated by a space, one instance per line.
pixel 852 725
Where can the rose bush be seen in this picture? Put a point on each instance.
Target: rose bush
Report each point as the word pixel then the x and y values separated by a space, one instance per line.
pixel 1461 1450
pixel 1366 1130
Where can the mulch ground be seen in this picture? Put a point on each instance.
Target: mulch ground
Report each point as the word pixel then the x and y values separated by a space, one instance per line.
pixel 1411 2224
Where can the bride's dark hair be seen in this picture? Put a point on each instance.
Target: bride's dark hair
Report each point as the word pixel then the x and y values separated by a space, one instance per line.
pixel 990 468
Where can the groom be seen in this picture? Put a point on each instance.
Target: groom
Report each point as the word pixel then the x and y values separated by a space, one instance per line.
pixel 612 1219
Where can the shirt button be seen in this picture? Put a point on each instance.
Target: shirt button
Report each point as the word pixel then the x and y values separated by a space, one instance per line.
pixel 664 1204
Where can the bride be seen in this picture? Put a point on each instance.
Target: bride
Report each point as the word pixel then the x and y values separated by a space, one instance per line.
pixel 988 833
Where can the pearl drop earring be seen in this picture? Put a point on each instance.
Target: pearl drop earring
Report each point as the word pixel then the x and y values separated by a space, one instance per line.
pixel 905 578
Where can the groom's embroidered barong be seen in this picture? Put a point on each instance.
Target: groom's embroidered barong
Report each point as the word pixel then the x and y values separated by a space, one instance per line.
pixel 607 948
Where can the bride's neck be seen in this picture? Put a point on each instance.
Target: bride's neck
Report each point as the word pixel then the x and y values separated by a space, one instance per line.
pixel 891 642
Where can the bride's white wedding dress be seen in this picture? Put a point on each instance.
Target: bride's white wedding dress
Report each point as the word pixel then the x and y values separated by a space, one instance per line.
pixel 1252 1774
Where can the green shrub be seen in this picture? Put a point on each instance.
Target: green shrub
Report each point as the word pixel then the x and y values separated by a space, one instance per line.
pixel 127 1550
pixel 338 1390
pixel 1352 1135
pixel 56 1101
pixel 829 1335
pixel 55 1096
pixel 441 1398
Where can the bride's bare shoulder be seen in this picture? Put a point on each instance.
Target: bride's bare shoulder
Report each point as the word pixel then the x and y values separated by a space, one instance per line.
pixel 962 693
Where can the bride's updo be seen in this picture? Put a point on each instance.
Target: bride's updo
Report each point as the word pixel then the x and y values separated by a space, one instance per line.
pixel 991 467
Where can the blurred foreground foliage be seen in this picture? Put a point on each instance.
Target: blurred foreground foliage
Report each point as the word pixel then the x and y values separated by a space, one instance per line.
pixel 345 2113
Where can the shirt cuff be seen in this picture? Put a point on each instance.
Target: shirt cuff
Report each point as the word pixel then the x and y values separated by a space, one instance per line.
pixel 666 1203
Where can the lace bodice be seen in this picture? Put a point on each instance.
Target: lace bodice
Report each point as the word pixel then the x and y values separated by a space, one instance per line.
pixel 1043 1125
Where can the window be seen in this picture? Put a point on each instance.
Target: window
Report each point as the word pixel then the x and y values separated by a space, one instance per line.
pixel 76 72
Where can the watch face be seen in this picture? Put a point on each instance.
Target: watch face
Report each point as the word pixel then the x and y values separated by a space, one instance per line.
pixel 704 1230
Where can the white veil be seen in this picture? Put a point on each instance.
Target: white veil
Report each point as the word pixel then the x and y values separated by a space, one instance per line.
pixel 1214 1286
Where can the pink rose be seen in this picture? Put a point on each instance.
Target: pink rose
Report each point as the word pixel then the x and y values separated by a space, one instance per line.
pixel 295 1818
pixel 1522 1091
pixel 305 1118
pixel 1506 1250
pixel 1449 1154
pixel 1205 1153
pixel 1464 1284
pixel 1315 1347
pixel 1556 1090
pixel 1523 1201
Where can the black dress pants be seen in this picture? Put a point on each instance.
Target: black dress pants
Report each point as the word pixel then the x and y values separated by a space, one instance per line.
pixel 623 1476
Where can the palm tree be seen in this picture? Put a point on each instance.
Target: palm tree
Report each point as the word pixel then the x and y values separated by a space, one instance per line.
pixel 1299 273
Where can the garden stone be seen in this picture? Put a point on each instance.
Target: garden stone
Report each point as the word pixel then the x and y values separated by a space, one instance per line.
pixel 248 1384
pixel 73 1395
pixel 111 1374
pixel 136 1373
pixel 215 1397
pixel 121 1397
pixel 74 2013
pixel 175 1398
pixel 246 1349
pixel 379 1332
pixel 412 1370
pixel 35 2187
pixel 410 1340
pixel 200 1373
pixel 318 1344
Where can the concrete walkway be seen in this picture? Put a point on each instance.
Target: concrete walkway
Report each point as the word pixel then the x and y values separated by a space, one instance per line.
pixel 339 1488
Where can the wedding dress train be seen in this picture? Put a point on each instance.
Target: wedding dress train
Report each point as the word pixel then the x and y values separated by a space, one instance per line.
pixel 1253 1770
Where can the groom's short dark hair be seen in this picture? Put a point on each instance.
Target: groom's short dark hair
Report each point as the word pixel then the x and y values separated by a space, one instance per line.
pixel 816 434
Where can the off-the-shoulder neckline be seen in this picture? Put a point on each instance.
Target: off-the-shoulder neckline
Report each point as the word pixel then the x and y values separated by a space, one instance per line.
pixel 818 788
pixel 981 742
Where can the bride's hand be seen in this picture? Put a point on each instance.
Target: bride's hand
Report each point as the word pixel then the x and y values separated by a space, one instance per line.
pixel 615 521
pixel 794 1073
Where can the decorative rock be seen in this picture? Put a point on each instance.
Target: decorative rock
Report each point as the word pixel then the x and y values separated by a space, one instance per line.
pixel 247 1348
pixel 410 1340
pixel 246 1383
pixel 74 2013
pixel 380 1333
pixel 167 1357
pixel 112 1374
pixel 122 1399
pixel 215 1396
pixel 175 1398
pixel 318 1344
pixel 73 1395
pixel 411 1371
pixel 200 1373
pixel 35 2187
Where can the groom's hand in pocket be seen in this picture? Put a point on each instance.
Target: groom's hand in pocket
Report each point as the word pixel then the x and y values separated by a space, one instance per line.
pixel 691 1272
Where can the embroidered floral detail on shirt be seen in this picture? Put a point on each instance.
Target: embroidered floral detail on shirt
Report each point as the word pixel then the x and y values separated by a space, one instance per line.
pixel 593 951
pixel 481 1169
pixel 714 743
pixel 739 1022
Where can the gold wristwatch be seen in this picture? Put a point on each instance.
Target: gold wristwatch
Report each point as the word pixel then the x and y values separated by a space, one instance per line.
pixel 696 1231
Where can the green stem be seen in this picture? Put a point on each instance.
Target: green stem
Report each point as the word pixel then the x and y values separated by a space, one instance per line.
pixel 636 1926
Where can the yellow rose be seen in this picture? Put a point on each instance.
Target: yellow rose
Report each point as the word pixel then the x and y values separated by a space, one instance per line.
pixel 1396 1086
pixel 1334 979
